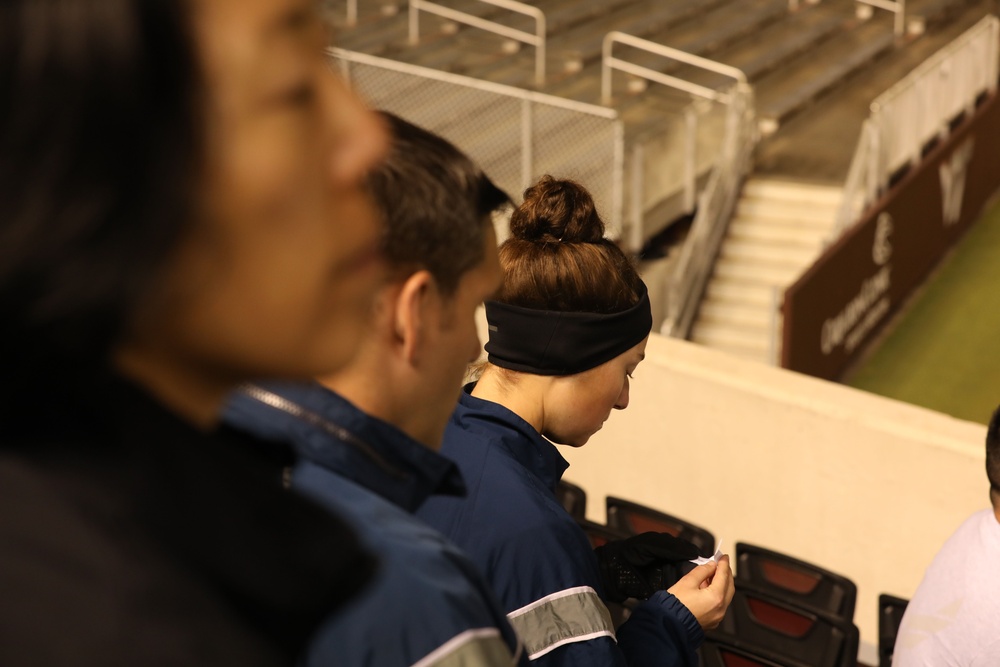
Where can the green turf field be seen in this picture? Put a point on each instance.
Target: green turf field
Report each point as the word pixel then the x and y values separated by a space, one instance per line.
pixel 943 351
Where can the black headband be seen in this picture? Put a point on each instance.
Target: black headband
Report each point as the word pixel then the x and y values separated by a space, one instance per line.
pixel 550 342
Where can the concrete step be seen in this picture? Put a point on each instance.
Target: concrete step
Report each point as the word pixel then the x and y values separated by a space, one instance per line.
pixel 764 274
pixel 778 44
pixel 642 19
pixel 767 231
pixel 776 234
pixel 388 34
pixel 931 12
pixel 710 33
pixel 789 89
pixel 768 253
pixel 738 292
pixel 792 191
pixel 734 315
pixel 738 341
pixel 778 212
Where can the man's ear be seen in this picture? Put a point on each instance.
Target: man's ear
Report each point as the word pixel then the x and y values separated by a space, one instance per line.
pixel 413 313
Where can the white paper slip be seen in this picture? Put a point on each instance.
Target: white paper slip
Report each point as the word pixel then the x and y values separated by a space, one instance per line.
pixel 715 558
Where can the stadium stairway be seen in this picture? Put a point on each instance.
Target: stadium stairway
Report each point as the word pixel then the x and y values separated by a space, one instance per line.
pixel 778 230
pixel 775 235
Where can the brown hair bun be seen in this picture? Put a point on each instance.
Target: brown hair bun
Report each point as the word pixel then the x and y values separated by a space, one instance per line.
pixel 557 211
pixel 557 257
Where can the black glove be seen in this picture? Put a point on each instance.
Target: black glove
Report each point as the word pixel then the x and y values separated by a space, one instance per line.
pixel 639 566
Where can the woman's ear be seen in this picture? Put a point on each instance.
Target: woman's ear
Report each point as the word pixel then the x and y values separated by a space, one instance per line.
pixel 413 313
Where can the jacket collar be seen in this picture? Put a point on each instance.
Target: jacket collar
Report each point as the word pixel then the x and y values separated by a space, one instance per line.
pixel 330 431
pixel 529 448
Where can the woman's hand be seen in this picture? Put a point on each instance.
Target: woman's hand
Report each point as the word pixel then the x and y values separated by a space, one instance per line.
pixel 706 591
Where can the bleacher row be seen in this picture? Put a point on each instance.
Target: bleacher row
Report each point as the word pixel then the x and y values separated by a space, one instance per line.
pixel 786 612
pixel 792 56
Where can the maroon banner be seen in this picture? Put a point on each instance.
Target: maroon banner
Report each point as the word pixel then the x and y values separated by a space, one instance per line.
pixel 842 301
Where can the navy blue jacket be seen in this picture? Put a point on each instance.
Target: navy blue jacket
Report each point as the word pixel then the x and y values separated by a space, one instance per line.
pixel 130 537
pixel 538 559
pixel 428 604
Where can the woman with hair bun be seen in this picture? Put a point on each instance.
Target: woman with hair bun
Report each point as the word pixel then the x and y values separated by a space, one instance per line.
pixel 567 328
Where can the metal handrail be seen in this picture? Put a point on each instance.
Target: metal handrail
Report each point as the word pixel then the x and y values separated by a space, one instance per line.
pixel 917 108
pixel 717 201
pixel 715 208
pixel 537 40
pixel 609 62
pixel 471 82
pixel 527 97
pixel 896 6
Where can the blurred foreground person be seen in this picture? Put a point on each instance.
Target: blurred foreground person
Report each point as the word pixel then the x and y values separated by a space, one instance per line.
pixel 368 438
pixel 181 209
pixel 566 331
pixel 953 619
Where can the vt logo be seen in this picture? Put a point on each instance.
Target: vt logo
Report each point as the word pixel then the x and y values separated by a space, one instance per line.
pixel 953 172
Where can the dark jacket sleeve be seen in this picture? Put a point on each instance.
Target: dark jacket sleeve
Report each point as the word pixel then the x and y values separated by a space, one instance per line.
pixel 661 631
pixel 597 652
pixel 563 621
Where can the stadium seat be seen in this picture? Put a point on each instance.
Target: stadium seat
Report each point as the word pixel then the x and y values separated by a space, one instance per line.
pixel 634 518
pixel 890 614
pixel 804 584
pixel 721 650
pixel 572 498
pixel 600 535
pixel 759 619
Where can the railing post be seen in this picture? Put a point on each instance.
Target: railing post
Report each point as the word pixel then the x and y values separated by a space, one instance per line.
pixel 414 31
pixel 690 157
pixel 773 350
pixel 540 31
pixel 874 179
pixel 527 144
pixel 618 175
pixel 352 12
pixel 881 170
pixel 732 124
pixel 637 196
pixel 898 7
pixel 345 70
pixel 993 63
pixel 606 49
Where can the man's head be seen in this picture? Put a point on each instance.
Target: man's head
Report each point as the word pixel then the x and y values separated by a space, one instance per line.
pixel 993 458
pixel 436 205
pixel 440 247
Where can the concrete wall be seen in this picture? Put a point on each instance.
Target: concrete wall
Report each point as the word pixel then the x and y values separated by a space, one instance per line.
pixel 864 486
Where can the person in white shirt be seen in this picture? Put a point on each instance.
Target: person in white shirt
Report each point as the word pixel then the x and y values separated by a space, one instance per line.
pixel 953 619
